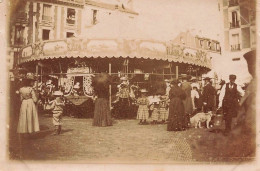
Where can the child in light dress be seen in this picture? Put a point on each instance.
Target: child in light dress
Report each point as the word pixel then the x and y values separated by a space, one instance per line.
pixel 57 106
pixel 143 110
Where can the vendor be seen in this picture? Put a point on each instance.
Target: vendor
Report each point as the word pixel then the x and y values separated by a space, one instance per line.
pixel 124 95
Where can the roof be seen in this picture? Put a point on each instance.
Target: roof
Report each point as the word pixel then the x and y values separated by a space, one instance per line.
pixel 108 48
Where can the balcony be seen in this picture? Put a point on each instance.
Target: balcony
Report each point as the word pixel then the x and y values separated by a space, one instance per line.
pixel 46 18
pixel 235 47
pixel 235 24
pixel 232 3
pixel 70 21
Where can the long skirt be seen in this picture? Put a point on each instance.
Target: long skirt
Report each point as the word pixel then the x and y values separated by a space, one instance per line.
pixel 102 115
pixel 28 118
pixel 143 112
pixel 176 115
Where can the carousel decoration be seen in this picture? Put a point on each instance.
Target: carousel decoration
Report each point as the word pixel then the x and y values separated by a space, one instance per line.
pixel 69 85
pixel 87 85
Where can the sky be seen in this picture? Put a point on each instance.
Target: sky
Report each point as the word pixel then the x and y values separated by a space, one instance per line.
pixel 166 18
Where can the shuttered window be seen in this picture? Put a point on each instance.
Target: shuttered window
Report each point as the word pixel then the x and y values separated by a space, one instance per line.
pixel 46 15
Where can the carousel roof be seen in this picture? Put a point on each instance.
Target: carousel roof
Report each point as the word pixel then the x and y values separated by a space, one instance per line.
pixel 115 37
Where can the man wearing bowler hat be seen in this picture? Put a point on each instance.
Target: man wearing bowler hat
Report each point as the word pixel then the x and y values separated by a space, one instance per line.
pixel 208 96
pixel 229 100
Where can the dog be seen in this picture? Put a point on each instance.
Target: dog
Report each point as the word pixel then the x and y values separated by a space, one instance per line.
pixel 201 117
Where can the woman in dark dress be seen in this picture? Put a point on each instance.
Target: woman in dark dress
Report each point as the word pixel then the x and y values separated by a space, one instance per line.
pixel 176 108
pixel 102 115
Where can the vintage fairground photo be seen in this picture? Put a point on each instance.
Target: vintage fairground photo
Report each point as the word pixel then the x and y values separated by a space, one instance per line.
pixel 132 81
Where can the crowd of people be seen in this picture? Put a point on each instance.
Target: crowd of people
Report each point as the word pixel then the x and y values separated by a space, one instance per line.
pixel 175 105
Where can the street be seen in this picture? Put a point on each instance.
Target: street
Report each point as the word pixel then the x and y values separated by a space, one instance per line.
pixel 124 142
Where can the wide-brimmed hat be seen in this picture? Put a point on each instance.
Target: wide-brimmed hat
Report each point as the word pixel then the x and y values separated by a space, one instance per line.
pixel 143 90
pixel 232 77
pixel 48 82
pixel 193 79
pixel 58 93
pixel 207 78
pixel 30 76
pixel 167 80
pixel 123 79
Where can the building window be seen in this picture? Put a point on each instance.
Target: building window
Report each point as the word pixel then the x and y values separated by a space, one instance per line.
pixel 45 34
pixel 69 34
pixel 71 13
pixel 253 38
pixel 46 15
pixel 234 20
pixel 235 42
pixel 94 21
pixel 201 43
pixel 18 39
pixel 181 40
pixel 209 45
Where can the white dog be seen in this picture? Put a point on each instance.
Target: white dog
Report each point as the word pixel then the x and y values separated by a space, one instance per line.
pixel 201 117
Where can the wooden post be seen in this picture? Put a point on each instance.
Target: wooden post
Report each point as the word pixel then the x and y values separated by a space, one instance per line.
pixel 110 88
pixel 177 71
pixel 37 93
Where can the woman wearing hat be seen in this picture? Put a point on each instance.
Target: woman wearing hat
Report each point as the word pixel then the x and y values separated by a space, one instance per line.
pixel 176 108
pixel 102 114
pixel 143 110
pixel 28 118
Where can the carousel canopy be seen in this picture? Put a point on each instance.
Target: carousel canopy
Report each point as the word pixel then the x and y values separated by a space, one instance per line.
pixel 115 37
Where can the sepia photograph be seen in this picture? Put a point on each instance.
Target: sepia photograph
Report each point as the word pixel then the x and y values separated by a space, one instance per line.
pixel 131 81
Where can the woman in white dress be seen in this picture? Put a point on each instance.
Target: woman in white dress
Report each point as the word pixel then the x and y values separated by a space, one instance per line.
pixel 28 119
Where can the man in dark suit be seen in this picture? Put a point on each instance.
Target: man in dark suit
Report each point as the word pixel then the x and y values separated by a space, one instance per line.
pixel 208 96
pixel 229 101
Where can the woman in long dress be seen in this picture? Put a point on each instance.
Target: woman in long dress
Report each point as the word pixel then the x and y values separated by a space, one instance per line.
pixel 176 108
pixel 102 114
pixel 28 118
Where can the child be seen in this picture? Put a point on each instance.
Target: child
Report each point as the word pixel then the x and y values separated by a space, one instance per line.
pixel 57 109
pixel 163 109
pixel 155 108
pixel 143 111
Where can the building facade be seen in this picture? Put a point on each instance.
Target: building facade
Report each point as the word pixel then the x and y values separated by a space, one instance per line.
pixel 33 21
pixel 239 25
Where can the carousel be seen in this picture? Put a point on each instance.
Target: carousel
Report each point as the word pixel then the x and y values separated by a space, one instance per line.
pixel 72 63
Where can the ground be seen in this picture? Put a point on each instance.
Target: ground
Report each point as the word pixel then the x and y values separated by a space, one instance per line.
pixel 124 142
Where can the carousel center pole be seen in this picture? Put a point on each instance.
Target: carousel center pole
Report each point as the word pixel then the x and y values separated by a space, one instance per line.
pixel 110 88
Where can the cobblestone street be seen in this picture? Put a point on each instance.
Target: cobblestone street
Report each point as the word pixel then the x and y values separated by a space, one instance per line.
pixel 124 142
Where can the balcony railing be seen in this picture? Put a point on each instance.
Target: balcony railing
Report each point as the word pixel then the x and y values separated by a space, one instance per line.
pixel 235 47
pixel 233 3
pixel 235 24
pixel 70 21
pixel 46 18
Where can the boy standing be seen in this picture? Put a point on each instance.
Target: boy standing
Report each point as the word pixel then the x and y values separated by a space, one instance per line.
pixel 57 106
